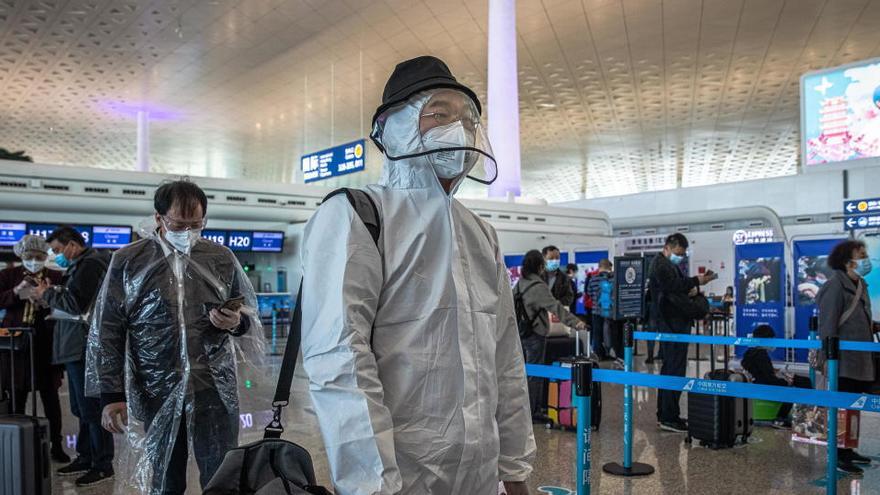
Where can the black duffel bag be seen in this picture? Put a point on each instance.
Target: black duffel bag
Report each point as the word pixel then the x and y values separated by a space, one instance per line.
pixel 271 466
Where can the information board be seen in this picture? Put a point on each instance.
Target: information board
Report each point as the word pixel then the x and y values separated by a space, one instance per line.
pixel 629 287
pixel 239 240
pixel 334 162
pixel 110 237
pixel 11 233
pixel 862 222
pixel 45 230
pixel 216 236
pixel 268 242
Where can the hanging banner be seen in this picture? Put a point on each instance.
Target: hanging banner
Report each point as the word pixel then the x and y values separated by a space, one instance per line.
pixel 588 265
pixel 811 271
pixel 760 291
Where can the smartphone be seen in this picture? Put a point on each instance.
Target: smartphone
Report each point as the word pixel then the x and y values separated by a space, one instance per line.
pixel 233 303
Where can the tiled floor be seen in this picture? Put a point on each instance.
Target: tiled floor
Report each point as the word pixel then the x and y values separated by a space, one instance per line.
pixel 770 464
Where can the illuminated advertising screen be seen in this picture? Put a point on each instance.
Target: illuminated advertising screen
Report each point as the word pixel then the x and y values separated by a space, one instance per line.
pixel 840 114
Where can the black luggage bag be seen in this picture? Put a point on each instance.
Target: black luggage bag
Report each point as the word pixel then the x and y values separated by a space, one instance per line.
pixel 717 421
pixel 24 440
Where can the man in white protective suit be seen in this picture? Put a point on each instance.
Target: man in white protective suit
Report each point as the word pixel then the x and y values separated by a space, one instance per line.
pixel 411 346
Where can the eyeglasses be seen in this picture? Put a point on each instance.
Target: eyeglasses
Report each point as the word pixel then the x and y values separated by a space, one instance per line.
pixel 179 225
pixel 446 118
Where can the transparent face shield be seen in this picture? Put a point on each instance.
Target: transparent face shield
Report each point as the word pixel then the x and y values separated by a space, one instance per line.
pixel 443 127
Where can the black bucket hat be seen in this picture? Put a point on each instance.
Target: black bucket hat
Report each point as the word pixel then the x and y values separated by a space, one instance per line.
pixel 419 74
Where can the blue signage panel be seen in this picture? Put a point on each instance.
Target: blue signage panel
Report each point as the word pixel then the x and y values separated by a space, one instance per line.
pixel 216 236
pixel 588 264
pixel 239 240
pixel 340 160
pixel 11 233
pixel 861 206
pixel 811 273
pixel 268 242
pixel 862 222
pixel 760 291
pixel 110 237
pixel 46 229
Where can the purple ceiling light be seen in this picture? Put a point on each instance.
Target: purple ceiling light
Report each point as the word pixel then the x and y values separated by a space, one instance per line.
pixel 133 108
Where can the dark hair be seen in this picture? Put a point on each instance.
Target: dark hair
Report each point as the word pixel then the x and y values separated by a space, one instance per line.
pixel 764 331
pixel 843 253
pixel 185 194
pixel 532 263
pixel 65 234
pixel 605 263
pixel 549 248
pixel 677 240
pixel 729 289
pixel 571 267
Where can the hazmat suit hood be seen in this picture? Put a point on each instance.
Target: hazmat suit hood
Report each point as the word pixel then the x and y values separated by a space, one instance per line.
pixel 152 345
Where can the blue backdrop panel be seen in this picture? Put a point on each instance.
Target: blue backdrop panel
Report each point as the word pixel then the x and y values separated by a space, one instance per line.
pixel 810 273
pixel 760 290
pixel 584 259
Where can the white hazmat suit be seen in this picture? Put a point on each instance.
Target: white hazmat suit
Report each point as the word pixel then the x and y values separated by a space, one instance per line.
pixel 412 351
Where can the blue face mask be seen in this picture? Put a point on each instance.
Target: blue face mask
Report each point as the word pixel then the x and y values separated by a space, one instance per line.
pixel 864 266
pixel 61 260
pixel 552 265
pixel 676 259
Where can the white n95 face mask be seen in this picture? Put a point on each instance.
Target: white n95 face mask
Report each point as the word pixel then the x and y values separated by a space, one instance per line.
pixel 183 241
pixel 448 163
pixel 33 266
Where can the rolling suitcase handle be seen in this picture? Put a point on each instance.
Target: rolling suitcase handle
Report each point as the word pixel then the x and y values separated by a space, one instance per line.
pixel 30 333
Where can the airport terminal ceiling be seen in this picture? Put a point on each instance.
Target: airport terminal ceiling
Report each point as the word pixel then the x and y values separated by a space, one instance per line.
pixel 616 96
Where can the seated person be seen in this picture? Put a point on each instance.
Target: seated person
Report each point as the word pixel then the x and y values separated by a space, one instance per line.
pixel 757 362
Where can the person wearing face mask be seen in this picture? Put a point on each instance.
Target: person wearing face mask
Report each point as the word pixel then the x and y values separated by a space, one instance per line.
pixel 559 282
pixel 74 297
pixel 22 310
pixel 411 346
pixel 670 289
pixel 162 350
pixel 845 312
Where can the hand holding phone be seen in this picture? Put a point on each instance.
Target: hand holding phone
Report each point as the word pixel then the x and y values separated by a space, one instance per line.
pixel 233 303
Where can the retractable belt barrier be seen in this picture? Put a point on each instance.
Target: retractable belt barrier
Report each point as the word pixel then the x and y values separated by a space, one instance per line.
pixel 831 398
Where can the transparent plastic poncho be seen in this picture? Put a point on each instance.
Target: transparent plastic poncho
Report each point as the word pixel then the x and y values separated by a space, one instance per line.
pixel 152 340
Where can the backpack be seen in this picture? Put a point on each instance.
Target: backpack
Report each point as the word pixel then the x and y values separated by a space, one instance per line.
pixel 606 297
pixel 524 324
pixel 273 466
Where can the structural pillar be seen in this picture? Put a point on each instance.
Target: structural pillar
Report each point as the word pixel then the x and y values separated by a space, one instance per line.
pixel 503 104
pixel 143 141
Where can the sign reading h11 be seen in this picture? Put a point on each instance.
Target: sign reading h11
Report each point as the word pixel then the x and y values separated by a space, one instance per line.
pixel 629 287
pixel 340 160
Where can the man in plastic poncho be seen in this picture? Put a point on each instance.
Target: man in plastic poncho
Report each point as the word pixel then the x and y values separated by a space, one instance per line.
pixel 161 352
pixel 412 349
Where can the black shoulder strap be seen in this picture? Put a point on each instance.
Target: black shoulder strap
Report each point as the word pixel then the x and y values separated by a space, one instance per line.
pixel 366 209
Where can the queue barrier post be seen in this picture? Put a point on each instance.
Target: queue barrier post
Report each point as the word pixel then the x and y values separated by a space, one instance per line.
pixel 582 378
pixel 629 468
pixel 814 334
pixel 832 354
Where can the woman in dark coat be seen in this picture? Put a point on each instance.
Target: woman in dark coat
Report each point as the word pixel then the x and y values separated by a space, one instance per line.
pixel 15 288
pixel 845 312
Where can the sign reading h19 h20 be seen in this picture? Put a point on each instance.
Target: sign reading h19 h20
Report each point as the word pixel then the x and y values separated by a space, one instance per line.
pixel 339 160
pixel 861 214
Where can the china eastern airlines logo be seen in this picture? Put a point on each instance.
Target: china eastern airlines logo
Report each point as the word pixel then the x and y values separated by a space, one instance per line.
pixel 860 402
pixel 689 385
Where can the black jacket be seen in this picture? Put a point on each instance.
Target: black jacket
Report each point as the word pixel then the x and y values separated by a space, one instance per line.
pixel 76 296
pixel 757 362
pixel 667 286
pixel 562 289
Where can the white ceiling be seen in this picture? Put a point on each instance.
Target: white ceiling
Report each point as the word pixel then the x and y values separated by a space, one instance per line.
pixel 616 96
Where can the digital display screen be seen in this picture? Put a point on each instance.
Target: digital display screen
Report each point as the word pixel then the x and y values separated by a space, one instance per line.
pixel 215 236
pixel 270 242
pixel 840 114
pixel 45 230
pixel 108 237
pixel 11 233
pixel 239 240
